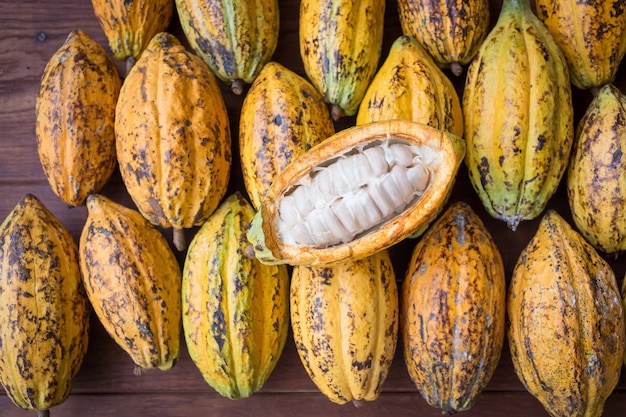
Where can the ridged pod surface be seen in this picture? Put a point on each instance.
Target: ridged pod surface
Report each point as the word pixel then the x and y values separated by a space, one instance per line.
pixel 234 38
pixel 282 116
pixel 453 310
pixel 133 281
pixel 340 45
pixel 360 191
pixel 409 85
pixel 345 325
pixel 130 24
pixel 591 34
pixel 518 115
pixel 235 309
pixel 566 330
pixel 44 310
pixel 451 31
pixel 75 112
pixel 173 137
pixel 597 172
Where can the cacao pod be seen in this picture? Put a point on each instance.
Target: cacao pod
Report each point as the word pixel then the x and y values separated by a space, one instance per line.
pixel 75 112
pixel 282 116
pixel 173 137
pixel 518 114
pixel 453 310
pixel 360 191
pixel 43 308
pixel 345 325
pixel 566 331
pixel 235 309
pixel 133 281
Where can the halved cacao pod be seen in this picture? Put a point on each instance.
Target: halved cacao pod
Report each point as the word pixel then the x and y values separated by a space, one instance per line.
pixel 173 137
pixel 345 325
pixel 409 85
pixel 75 124
pixel 133 281
pixel 44 310
pixel 566 330
pixel 282 116
pixel 360 191
pixel 235 309
pixel 597 172
pixel 453 310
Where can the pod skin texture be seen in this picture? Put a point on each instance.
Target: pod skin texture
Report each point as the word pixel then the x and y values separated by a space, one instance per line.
pixel 75 112
pixel 409 85
pixel 597 172
pixel 451 31
pixel 442 153
pixel 133 281
pixel 173 137
pixel 566 330
pixel 235 38
pixel 282 116
pixel 340 45
pixel 43 308
pixel 235 309
pixel 591 34
pixel 518 115
pixel 453 310
pixel 345 325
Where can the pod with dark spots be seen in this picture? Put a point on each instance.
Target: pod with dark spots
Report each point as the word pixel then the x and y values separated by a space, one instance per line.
pixel 345 325
pixel 597 172
pixel 566 330
pixel 234 38
pixel 409 85
pixel 362 190
pixel 44 310
pixel 518 116
pixel 453 310
pixel 235 309
pixel 282 117
pixel 133 281
pixel 173 137
pixel 75 112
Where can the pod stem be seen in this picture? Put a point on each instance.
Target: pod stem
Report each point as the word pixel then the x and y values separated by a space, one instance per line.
pixel 43 413
pixel 130 63
pixel 179 239
pixel 456 69
pixel 357 403
pixel 336 112
pixel 236 86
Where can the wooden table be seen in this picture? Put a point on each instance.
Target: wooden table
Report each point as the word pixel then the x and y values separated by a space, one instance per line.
pixel 30 32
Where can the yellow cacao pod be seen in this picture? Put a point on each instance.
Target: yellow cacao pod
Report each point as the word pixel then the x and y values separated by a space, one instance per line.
pixel 566 332
pixel 173 137
pixel 451 31
pixel 362 190
pixel 282 117
pixel 234 38
pixel 345 325
pixel 453 310
pixel 129 25
pixel 591 34
pixel 340 45
pixel 235 309
pixel 409 85
pixel 133 281
pixel 43 307
pixel 75 111
pixel 517 109
pixel 597 172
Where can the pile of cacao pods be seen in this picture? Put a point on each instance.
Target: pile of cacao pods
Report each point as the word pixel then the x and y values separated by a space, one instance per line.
pixel 305 244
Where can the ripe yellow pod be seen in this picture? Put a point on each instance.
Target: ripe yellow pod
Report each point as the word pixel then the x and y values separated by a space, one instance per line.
pixel 360 191
pixel 453 310
pixel 44 310
pixel 282 116
pixel 235 309
pixel 566 331
pixel 75 124
pixel 345 325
